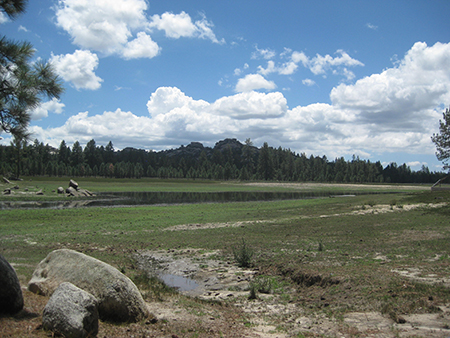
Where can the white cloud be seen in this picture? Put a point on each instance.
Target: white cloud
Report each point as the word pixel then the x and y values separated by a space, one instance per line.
pixel 253 82
pixel 44 108
pixel 238 71
pixel 166 99
pixel 308 82
pixel 403 96
pixel 371 26
pixel 174 25
pixel 3 18
pixel 23 29
pixel 205 30
pixel 121 26
pixel 103 26
pixel 142 46
pixel 78 68
pixel 320 64
pixel 270 68
pixel 263 53
pixel 288 68
pixel 180 25
pixel 416 164
pixel 251 105
pixel 394 111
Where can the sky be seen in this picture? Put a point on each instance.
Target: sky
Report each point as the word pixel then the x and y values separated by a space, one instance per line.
pixel 325 78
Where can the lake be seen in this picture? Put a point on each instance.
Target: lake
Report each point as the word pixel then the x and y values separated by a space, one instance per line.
pixel 121 199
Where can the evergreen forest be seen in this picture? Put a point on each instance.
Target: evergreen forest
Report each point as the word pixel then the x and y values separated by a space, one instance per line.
pixel 229 159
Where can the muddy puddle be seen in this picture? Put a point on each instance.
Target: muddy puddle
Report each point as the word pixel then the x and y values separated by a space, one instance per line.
pixel 196 273
pixel 206 275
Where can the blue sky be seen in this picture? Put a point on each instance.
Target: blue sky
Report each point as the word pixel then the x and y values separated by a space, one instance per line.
pixel 332 78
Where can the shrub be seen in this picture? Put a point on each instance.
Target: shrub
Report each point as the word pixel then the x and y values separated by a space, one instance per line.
pixel 243 255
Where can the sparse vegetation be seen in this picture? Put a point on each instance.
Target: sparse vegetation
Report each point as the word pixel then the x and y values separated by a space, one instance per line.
pixel 243 255
pixel 383 262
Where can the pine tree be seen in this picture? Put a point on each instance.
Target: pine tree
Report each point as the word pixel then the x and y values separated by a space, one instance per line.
pixel 442 140
pixel 23 82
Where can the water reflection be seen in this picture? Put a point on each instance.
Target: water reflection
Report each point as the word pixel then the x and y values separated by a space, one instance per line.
pixel 179 282
pixel 112 199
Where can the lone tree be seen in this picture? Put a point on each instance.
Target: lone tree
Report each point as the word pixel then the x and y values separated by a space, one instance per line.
pixel 23 82
pixel 442 140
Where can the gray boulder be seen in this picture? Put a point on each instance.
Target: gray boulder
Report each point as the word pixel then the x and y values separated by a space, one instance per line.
pixel 71 191
pixel 60 190
pixel 71 312
pixel 73 184
pixel 118 297
pixel 11 298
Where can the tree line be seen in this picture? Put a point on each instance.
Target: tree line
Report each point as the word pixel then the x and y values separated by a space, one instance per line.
pixel 227 160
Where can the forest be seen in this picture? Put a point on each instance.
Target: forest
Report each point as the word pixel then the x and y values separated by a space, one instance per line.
pixel 229 159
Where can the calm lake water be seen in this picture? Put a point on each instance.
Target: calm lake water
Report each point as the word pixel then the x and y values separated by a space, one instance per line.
pixel 116 199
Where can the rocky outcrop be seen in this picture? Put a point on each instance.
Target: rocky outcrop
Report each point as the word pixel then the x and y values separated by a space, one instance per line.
pixel 11 298
pixel 74 190
pixel 71 312
pixel 118 298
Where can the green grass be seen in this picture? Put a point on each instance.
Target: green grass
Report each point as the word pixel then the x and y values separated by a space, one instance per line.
pixel 319 246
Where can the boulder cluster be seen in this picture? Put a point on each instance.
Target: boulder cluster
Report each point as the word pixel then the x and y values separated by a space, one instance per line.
pixel 82 290
pixel 74 190
pixel 10 190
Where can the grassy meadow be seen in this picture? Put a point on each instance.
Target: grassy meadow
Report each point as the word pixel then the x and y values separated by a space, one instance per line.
pixel 336 254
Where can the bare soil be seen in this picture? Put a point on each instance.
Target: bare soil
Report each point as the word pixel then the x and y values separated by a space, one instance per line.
pixel 270 315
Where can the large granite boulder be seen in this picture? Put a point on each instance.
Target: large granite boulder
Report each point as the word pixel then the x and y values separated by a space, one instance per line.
pixel 71 312
pixel 73 184
pixel 11 298
pixel 118 297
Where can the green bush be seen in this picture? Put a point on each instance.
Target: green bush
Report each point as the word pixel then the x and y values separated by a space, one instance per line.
pixel 243 255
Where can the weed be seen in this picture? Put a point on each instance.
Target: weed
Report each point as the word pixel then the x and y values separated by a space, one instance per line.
pixel 253 295
pixel 264 284
pixel 243 255
pixel 320 249
pixel 152 287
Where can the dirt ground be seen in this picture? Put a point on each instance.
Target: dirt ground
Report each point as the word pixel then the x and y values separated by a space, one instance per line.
pixel 215 302
pixel 223 281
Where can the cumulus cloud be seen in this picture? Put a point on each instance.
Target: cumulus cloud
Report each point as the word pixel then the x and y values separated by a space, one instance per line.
pixel 121 26
pixel 251 105
pixel 383 112
pixel 78 68
pixel 142 46
pixel 42 111
pixel 103 26
pixel 318 65
pixel 166 99
pixel 403 96
pixel 253 82
pixel 269 69
pixel 180 25
pixel 174 25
